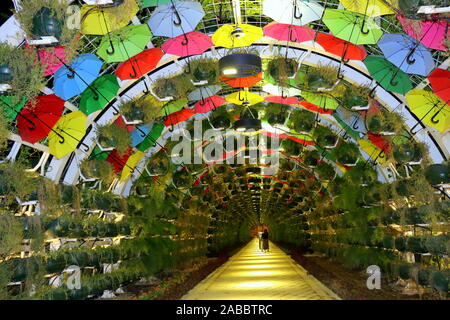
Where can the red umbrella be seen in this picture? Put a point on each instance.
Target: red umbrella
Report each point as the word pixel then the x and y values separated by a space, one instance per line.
pixel 281 100
pixel 179 116
pixel 208 104
pixel 289 32
pixel 118 161
pixel 140 64
pixel 440 82
pixel 315 108
pixel 243 82
pixel 52 59
pixel 188 44
pixel 381 142
pixel 39 116
pixel 341 48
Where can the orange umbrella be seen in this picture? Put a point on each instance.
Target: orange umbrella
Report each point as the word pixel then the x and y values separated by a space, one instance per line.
pixel 242 82
pixel 140 64
pixel 341 48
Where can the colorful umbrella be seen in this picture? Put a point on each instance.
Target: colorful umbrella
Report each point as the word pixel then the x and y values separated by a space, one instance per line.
pixel 98 20
pixel 152 137
pixel 10 111
pixel 440 82
pixel 208 104
pixel 315 108
pixel 407 53
pixel 430 109
pixel 188 44
pixel 244 97
pixel 122 44
pixel 297 12
pixel 118 161
pixel 242 82
pixel 372 151
pixel 388 75
pixel 282 100
pixel 237 35
pixel 431 33
pixel 371 8
pixel 139 133
pixel 352 27
pixel 52 59
pixel 173 106
pixel 43 112
pixel 289 32
pixel 341 48
pixel 204 92
pixel 71 80
pixel 67 134
pixel 277 90
pixel 140 64
pixel 321 100
pixel 151 3
pixel 101 91
pixel 175 18
pixel 130 165
pixel 179 116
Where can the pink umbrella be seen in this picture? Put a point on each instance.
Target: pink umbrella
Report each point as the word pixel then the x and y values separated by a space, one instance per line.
pixel 188 44
pixel 49 58
pixel 208 104
pixel 432 33
pixel 288 32
pixel 281 100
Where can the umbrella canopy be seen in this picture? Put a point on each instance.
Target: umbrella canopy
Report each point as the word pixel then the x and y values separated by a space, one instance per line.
pixel 208 104
pixel 440 82
pixel 297 12
pixel 173 106
pixel 289 32
pixel 188 44
pixel 139 133
pixel 117 160
pixel 277 90
pixel 388 75
pixel 152 137
pixel 101 91
pixel 71 80
pixel 407 53
pixel 96 20
pixel 131 164
pixel 431 33
pixel 352 27
pixel 52 59
pixel 321 100
pixel 122 44
pixel 44 112
pixel 244 97
pixel 242 82
pixel 140 64
pixel 430 109
pixel 179 116
pixel 67 134
pixel 151 3
pixel 372 150
pixel 282 100
pixel 175 18
pixel 10 111
pixel 315 108
pixel 341 48
pixel 204 92
pixel 237 35
pixel 371 8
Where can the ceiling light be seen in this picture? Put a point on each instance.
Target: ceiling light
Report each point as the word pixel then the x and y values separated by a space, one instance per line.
pixel 247 124
pixel 240 65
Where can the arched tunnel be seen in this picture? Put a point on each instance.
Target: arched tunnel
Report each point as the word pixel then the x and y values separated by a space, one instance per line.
pixel 147 148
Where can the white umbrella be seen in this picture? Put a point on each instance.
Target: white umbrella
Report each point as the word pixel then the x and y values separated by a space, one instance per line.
pixel 204 92
pixel 97 2
pixel 296 12
pixel 280 91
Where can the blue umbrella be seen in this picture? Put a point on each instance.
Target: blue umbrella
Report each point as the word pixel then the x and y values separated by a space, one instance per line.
pixel 138 135
pixel 73 79
pixel 408 54
pixel 175 18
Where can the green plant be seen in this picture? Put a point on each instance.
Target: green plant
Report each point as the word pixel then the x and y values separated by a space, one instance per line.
pixel 325 171
pixel 322 76
pixel 15 182
pixel 324 136
pixel 409 152
pixel 356 96
pixel 346 153
pixel 97 169
pixel 4 131
pixel 274 113
pixel 204 69
pixel 176 87
pixel 303 121
pixel 281 68
pixel 383 122
pixel 145 109
pixel 361 174
pixel 114 136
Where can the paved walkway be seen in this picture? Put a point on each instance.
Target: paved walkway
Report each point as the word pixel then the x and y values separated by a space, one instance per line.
pixel 253 275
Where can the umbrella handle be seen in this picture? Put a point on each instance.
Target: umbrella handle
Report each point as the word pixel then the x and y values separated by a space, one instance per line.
pixel 86 147
pixel 344 54
pixel 362 28
pixel 412 129
pixel 172 128
pixel 112 50
pixel 71 75
pixel 202 102
pixel 290 36
pixel 116 112
pixel 177 22
pixel 185 41
pixel 142 132
pixel 62 139
pixel 410 59
pixel 296 16
pixel 134 74
pixel 239 97
pixel 433 118
pixel 188 68
pixel 147 90
pixel 283 95
pixel 372 92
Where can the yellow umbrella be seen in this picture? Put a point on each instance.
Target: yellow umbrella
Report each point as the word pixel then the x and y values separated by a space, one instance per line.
pixel 235 36
pixel 100 21
pixel 244 97
pixel 67 134
pixel 371 8
pixel 429 108
pixel 130 165
pixel 372 150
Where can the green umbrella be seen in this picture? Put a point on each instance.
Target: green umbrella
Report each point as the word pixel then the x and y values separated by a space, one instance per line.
pixel 321 100
pixel 388 75
pixel 353 27
pixel 151 3
pixel 121 45
pixel 173 106
pixel 100 92
pixel 151 139
pixel 9 110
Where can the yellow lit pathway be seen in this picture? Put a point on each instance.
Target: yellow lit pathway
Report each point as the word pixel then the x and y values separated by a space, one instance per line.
pixel 253 275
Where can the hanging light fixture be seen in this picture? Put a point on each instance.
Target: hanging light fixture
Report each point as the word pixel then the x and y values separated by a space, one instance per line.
pixel 239 65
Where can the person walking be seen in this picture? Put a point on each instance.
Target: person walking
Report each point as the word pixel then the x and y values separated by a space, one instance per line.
pixel 265 241
pixel 260 240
